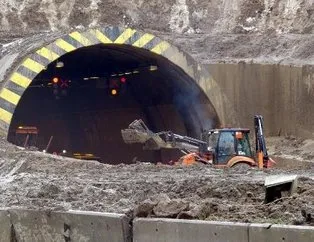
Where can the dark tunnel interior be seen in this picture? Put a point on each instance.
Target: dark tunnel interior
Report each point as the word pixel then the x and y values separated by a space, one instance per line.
pixel 86 97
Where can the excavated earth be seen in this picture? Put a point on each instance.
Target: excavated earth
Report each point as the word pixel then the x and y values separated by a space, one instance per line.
pixel 34 180
pixel 259 31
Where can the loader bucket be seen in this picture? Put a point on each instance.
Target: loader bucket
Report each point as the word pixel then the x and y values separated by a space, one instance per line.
pixel 138 132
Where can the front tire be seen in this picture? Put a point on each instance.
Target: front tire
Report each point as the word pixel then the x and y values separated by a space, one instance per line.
pixel 241 166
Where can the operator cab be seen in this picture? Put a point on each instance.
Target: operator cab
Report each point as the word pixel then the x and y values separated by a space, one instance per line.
pixel 226 143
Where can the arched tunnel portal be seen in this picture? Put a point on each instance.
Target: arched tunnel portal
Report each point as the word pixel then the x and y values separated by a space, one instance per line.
pixel 83 88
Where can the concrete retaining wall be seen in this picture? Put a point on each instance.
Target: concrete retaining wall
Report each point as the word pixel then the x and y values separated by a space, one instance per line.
pixel 283 94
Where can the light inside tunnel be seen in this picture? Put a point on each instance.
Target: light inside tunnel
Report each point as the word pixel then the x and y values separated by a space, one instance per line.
pixel 82 105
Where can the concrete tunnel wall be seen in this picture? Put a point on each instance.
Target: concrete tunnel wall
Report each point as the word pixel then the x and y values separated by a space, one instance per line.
pixel 17 81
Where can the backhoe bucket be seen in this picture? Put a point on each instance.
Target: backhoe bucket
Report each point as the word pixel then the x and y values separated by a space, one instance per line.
pixel 138 132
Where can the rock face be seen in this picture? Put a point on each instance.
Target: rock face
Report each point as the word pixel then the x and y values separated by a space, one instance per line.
pixel 178 16
pixel 211 31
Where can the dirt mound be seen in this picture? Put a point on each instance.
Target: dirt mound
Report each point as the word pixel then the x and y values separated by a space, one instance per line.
pixel 36 180
pixel 291 148
pixel 242 202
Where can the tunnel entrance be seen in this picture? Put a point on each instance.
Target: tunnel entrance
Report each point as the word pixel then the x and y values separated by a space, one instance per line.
pixel 84 98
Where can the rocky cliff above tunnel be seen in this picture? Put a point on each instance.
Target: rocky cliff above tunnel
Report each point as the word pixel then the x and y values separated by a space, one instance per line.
pixel 178 16
pixel 218 30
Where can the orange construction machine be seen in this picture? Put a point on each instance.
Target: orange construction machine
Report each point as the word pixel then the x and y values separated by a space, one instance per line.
pixel 227 147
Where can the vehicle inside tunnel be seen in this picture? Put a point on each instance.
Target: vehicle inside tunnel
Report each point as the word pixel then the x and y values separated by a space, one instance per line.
pixel 81 101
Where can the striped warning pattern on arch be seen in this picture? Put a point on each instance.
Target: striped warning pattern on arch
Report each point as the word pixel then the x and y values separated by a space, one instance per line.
pixel 31 66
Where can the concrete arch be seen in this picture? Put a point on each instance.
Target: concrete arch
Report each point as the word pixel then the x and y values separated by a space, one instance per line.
pixel 33 64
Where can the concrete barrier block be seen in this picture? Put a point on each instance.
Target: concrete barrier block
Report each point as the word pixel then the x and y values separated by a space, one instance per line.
pixel 171 230
pixel 5 226
pixel 78 226
pixel 282 233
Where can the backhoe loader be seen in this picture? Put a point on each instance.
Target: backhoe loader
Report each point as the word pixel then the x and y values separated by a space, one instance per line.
pixel 227 147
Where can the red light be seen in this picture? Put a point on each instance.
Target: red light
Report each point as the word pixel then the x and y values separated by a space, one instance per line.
pixel 123 79
pixel 55 80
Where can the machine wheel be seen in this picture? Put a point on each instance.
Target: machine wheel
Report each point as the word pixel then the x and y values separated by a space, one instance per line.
pixel 241 166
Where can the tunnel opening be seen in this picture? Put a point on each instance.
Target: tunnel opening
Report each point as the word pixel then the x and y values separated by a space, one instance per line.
pixel 82 100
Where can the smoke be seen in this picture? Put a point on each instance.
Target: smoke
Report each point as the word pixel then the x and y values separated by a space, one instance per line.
pixel 196 110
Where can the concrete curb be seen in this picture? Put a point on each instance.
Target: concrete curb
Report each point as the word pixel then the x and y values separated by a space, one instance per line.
pixel 170 230
pixel 38 226
pixel 5 226
pixel 173 230
pixel 286 233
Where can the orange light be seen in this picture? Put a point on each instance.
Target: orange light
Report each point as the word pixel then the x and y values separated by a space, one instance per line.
pixel 114 92
pixel 55 80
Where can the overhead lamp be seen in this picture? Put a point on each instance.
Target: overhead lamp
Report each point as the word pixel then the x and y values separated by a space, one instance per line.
pixel 86 78
pixel 153 68
pixel 59 64
pixel 55 80
pixel 114 92
pixel 94 77
pixel 136 72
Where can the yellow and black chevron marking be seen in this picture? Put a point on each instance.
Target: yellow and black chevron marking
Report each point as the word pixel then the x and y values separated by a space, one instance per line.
pixel 14 88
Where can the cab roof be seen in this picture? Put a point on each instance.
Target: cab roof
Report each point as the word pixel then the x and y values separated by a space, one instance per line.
pixel 231 130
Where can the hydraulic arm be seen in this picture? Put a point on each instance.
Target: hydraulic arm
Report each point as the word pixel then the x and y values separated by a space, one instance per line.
pixel 138 132
pixel 261 150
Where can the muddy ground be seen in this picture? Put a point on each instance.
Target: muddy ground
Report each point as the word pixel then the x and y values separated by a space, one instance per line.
pixel 40 181
pixel 261 31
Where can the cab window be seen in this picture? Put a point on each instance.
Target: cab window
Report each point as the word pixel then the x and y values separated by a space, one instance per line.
pixel 213 139
pixel 226 147
pixel 243 146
